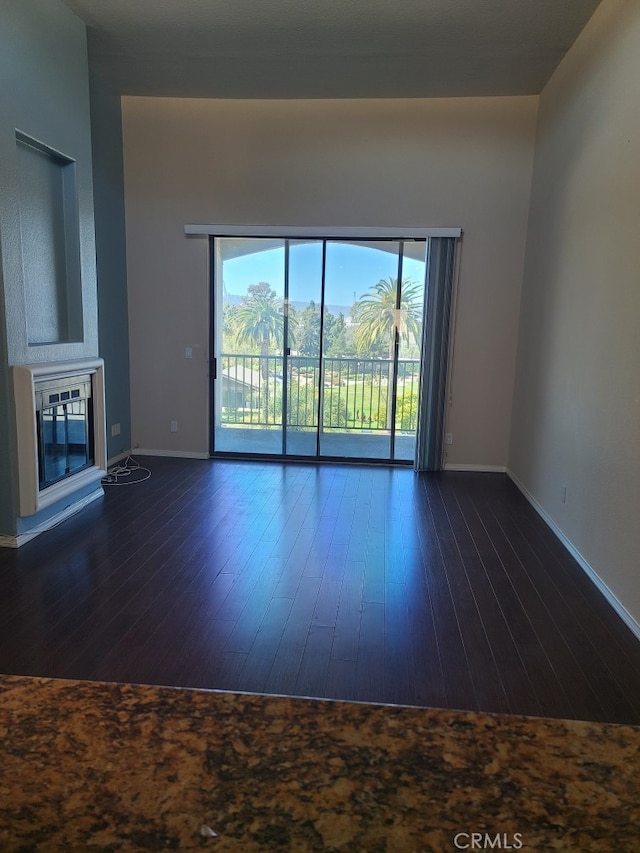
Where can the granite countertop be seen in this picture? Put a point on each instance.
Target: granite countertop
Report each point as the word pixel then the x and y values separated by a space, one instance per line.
pixel 94 766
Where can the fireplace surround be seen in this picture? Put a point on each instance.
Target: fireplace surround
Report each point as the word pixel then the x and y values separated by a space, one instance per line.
pixel 60 420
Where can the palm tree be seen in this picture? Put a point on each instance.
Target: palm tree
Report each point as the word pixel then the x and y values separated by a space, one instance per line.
pixel 259 321
pixel 377 314
pixel 260 318
pixel 378 317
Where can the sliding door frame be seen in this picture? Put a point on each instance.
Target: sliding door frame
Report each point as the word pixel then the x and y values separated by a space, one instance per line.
pixel 324 235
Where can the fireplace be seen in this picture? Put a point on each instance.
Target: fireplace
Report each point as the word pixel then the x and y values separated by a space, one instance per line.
pixel 61 430
pixel 64 424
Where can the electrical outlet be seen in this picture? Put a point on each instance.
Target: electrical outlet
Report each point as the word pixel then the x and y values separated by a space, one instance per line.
pixel 449 438
pixel 563 494
pixel 115 429
pixel 173 426
pixel 188 352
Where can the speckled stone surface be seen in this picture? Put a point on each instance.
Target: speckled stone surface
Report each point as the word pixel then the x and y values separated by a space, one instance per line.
pixel 93 766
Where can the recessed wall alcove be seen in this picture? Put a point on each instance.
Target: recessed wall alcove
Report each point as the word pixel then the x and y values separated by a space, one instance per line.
pixel 50 239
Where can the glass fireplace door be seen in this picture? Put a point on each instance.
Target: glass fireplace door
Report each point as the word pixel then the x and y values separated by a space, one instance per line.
pixel 65 442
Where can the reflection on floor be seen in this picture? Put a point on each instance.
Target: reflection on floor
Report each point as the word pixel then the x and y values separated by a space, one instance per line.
pixel 104 766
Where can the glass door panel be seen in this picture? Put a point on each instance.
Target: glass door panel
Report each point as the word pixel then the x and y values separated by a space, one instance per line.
pixel 409 346
pixel 358 348
pixel 249 334
pixel 303 361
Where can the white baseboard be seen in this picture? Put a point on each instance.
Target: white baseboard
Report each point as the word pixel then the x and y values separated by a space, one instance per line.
pixel 486 469
pixel 67 512
pixel 178 454
pixel 113 460
pixel 586 567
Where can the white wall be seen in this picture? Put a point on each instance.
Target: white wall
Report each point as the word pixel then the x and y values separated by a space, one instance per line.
pixel 576 416
pixel 462 162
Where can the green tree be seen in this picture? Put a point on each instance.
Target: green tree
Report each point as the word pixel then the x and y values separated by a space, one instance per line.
pixel 336 413
pixel 308 331
pixel 335 335
pixel 259 321
pixel 377 314
pixel 378 317
pixel 407 411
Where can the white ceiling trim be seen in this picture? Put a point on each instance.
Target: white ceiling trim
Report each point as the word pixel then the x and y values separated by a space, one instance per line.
pixel 321 233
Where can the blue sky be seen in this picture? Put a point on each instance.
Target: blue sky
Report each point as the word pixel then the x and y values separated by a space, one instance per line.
pixel 351 270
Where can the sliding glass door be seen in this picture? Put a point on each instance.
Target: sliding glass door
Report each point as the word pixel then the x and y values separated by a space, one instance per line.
pixel 248 336
pixel 316 347
pixel 304 365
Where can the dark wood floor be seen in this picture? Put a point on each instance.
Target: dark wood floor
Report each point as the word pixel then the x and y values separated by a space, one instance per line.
pixel 350 582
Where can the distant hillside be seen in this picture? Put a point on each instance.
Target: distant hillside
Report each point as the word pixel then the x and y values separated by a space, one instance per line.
pixel 235 299
pixel 332 309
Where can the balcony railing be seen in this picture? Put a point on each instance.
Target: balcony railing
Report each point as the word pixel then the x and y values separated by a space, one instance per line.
pixel 356 392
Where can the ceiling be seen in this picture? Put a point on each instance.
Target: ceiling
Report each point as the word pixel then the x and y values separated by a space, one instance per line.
pixel 330 48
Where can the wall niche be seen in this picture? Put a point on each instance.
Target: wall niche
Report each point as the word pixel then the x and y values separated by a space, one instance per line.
pixel 50 237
